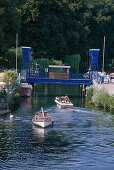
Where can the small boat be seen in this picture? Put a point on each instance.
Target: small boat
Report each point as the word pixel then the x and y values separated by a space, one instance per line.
pixel 63 102
pixel 42 119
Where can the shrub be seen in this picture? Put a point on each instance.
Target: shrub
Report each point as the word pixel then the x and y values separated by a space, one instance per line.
pixel 4 94
pixel 89 94
pixel 111 102
pixel 100 98
pixel 17 95
pixel 16 99
pixel 56 62
pixel 10 77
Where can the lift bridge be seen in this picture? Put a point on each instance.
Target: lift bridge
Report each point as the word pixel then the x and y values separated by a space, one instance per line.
pixel 58 74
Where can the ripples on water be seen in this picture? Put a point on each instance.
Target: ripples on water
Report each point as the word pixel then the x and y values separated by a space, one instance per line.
pixel 79 139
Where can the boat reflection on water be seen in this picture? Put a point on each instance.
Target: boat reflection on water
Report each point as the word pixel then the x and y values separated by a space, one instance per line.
pixel 40 132
pixel 26 104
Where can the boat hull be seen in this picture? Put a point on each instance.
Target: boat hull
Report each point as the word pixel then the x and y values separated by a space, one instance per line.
pixel 42 124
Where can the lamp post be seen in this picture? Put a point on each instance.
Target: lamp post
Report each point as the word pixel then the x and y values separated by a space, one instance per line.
pixel 16 49
pixel 103 54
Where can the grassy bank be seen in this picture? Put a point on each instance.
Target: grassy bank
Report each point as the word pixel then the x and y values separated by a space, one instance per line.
pixel 100 98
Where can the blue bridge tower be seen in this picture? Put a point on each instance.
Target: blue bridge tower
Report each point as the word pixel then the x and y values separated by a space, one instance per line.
pixel 93 62
pixel 25 61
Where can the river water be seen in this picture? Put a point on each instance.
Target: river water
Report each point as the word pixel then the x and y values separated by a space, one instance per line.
pixel 80 138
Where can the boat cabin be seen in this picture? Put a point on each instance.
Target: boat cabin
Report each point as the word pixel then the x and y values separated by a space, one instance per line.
pixel 58 71
pixel 42 117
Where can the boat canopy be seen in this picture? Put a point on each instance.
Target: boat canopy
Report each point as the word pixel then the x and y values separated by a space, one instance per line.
pixel 55 66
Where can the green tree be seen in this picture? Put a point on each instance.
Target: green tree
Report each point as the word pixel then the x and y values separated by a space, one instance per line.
pixel 56 29
pixel 56 62
pixel 10 61
pixel 100 21
pixel 10 77
pixel 74 62
pixel 52 29
pixel 9 26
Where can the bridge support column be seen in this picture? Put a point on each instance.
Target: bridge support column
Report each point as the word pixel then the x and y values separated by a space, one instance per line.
pixel 34 88
pixel 80 91
pixel 82 94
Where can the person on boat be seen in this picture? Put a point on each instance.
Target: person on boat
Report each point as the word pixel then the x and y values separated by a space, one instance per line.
pixel 66 98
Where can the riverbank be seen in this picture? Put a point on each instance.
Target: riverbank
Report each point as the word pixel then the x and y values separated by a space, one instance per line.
pixel 108 86
pixel 101 95
pixel 10 92
pixel 2 112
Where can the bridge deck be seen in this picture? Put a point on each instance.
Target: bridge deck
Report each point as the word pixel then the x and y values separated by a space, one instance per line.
pixel 73 79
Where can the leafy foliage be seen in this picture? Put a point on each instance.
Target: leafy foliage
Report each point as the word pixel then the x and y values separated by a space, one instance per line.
pixel 44 63
pixel 89 94
pixel 10 61
pixel 9 23
pixel 10 77
pixel 56 62
pixel 100 97
pixel 56 29
pixel 4 94
pixel 111 102
pixel 74 62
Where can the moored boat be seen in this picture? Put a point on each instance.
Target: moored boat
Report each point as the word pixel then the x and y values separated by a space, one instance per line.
pixel 42 119
pixel 26 89
pixel 63 102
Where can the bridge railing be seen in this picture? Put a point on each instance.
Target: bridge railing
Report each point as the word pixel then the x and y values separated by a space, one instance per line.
pixel 79 76
pixel 46 75
pixel 39 75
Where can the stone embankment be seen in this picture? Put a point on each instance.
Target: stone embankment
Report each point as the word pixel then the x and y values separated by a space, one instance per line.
pixel 4 111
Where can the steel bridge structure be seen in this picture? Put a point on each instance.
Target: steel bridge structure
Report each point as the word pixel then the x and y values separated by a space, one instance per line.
pixel 44 77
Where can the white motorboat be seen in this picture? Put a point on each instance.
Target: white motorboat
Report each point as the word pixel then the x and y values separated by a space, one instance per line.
pixel 63 102
pixel 42 119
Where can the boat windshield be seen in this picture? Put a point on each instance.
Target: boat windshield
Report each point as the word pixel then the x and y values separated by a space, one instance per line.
pixel 42 114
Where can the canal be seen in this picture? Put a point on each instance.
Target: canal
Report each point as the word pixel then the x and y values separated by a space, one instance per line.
pixel 80 138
